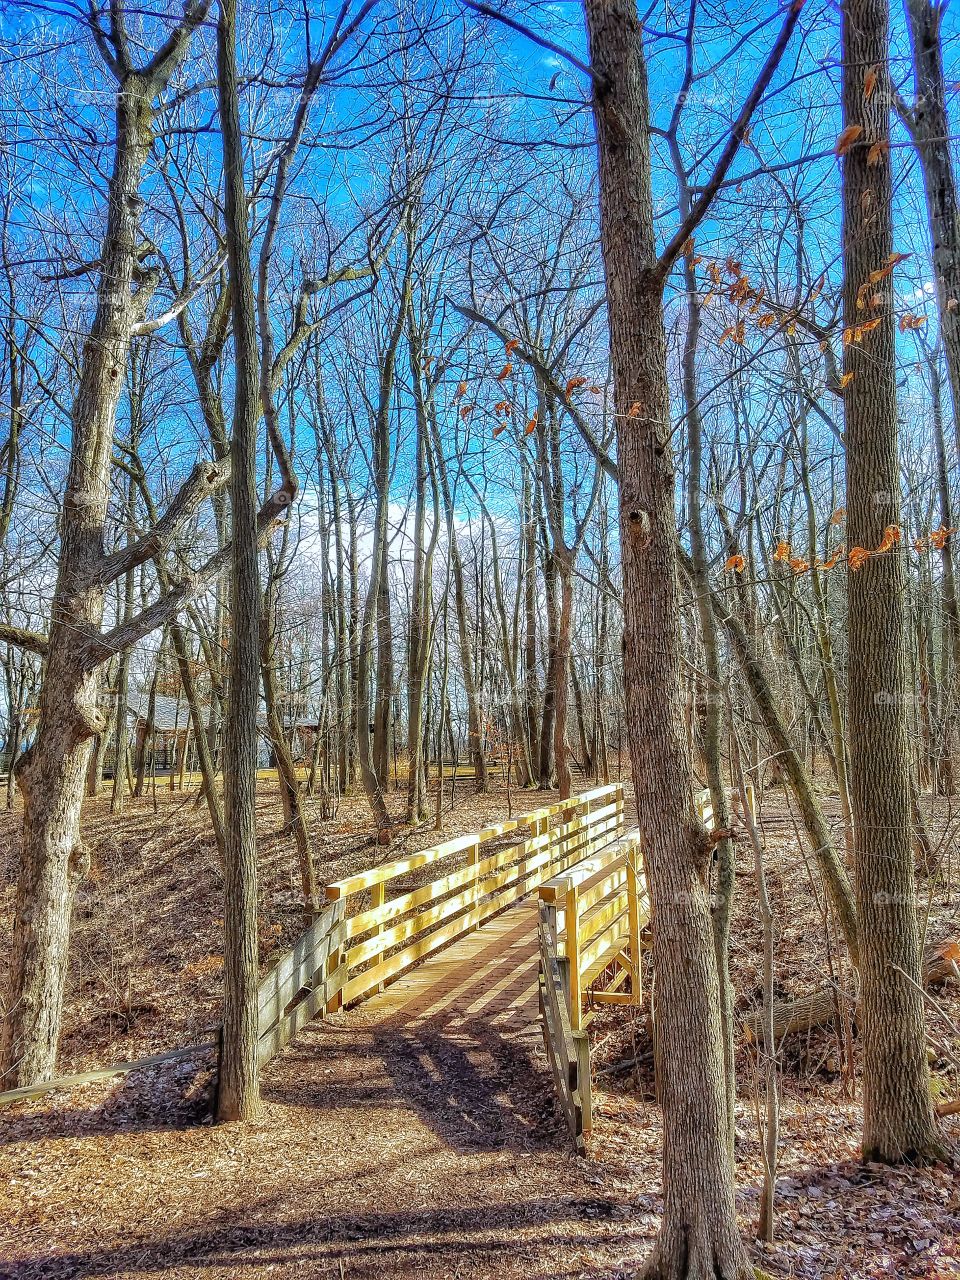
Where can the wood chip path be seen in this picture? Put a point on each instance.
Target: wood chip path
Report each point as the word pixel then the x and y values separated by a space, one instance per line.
pixel 414 1136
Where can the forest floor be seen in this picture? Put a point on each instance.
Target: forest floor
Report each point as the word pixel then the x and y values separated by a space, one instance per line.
pixel 365 1164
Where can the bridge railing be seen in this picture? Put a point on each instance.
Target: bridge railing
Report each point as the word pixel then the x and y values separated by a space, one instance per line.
pixel 394 916
pixel 602 909
pixel 568 1050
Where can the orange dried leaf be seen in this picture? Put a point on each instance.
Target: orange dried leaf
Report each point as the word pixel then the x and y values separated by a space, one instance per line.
pixel 461 390
pixel 573 384
pixel 511 346
pixel 870 82
pixel 877 152
pixel 939 537
pixel 735 564
pixel 531 426
pixel 845 381
pixel 847 138
pixel 839 515
pixel 782 552
pixel 857 558
pixel 505 372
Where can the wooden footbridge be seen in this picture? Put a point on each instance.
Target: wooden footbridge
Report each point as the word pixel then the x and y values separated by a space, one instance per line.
pixel 537 918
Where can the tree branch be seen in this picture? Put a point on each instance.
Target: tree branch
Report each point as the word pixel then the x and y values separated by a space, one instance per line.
pixel 126 634
pixel 599 81
pixel 205 479
pixel 549 380
pixel 709 190
pixel 145 327
pixel 22 638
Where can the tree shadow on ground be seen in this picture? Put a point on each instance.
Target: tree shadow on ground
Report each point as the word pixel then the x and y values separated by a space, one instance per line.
pixel 478 1240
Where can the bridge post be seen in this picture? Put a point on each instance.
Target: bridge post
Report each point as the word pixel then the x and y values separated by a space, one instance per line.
pixel 336 955
pixel 633 916
pixel 571 924
pixel 378 893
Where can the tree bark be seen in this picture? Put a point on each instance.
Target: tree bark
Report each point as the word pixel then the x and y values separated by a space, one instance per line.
pixel 52 771
pixel 239 1092
pixel 898 1120
pixel 698 1236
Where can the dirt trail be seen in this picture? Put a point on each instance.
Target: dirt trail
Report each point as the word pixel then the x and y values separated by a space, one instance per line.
pixel 416 1136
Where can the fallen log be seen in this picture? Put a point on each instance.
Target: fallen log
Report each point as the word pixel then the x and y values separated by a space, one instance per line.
pixel 940 961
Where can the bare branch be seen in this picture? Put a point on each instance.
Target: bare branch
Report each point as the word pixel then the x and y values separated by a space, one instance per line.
pixel 598 80
pixel 126 634
pixel 22 638
pixel 549 380
pixel 205 479
pixel 728 154
pixel 145 327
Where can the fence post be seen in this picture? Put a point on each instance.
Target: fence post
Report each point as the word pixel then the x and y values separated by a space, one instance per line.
pixel 633 913
pixel 751 800
pixel 333 960
pixel 571 924
pixel 581 1043
pixel 378 894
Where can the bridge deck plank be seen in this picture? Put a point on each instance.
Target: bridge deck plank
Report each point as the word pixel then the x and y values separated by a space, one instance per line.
pixel 491 973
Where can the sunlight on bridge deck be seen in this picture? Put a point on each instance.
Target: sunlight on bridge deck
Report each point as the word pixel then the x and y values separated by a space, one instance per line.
pixel 491 974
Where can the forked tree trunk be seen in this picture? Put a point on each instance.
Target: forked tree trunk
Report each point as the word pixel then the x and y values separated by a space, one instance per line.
pixel 698 1236
pixel 52 772
pixel 898 1120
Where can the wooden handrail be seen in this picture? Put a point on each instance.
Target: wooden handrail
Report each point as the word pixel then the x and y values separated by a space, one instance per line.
pixel 402 866
pixel 603 900
pixel 355 946
pixel 383 938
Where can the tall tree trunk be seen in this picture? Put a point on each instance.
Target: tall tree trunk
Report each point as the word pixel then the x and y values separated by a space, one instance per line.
pixel 561 678
pixel 529 544
pixel 898 1121
pixel 51 773
pixel 373 781
pixel 698 1236
pixel 293 815
pixel 711 726
pixel 239 1092
pixel 383 702
pixel 475 738
pixel 421 597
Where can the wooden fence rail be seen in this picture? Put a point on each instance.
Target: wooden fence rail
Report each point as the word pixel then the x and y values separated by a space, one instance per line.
pixel 379 922
pixel 302 982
